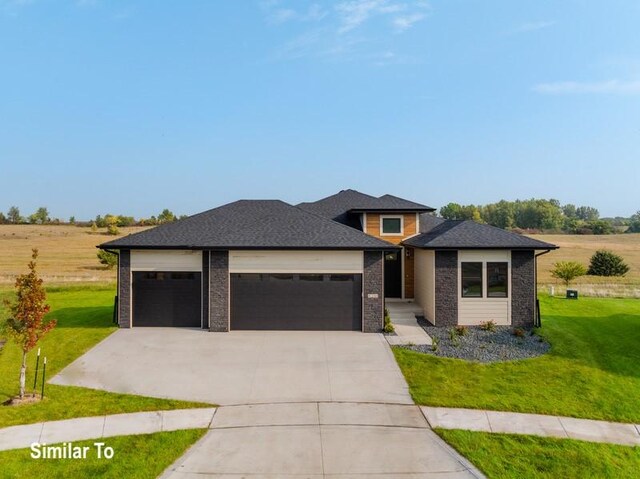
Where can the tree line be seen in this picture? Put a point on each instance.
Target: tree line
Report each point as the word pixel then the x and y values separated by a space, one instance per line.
pixel 42 217
pixel 542 215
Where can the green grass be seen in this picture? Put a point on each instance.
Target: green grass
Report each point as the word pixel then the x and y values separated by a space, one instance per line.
pixel 511 456
pixel 84 317
pixel 135 457
pixel 591 371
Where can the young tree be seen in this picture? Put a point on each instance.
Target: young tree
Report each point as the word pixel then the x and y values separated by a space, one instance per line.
pixel 110 260
pixel 13 215
pixel 567 271
pixel 607 263
pixel 72 220
pixel 28 325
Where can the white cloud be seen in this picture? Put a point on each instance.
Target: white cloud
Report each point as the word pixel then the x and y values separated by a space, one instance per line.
pixel 405 22
pixel 533 26
pixel 355 13
pixel 618 87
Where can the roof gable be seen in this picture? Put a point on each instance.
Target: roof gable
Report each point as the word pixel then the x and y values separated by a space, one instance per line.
pixel 468 234
pixel 251 224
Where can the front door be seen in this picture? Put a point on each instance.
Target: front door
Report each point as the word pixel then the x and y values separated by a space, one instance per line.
pixel 393 274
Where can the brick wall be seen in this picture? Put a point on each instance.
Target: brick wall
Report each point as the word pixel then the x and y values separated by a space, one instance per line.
pixel 219 291
pixel 446 288
pixel 523 288
pixel 373 284
pixel 124 289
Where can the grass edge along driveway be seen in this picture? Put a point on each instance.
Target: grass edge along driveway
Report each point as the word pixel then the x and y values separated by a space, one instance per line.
pixel 515 456
pixel 84 315
pixel 143 456
pixel 591 371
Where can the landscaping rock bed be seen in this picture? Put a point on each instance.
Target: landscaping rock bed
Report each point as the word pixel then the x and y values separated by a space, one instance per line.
pixel 483 346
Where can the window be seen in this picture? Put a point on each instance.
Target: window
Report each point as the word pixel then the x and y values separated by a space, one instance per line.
pixel 391 225
pixel 497 280
pixel 471 280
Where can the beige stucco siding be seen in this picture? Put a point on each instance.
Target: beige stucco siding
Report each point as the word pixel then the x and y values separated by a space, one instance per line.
pixel 166 260
pixel 295 262
pixel 424 271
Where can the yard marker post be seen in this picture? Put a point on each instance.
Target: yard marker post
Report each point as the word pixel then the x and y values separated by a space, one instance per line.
pixel 35 376
pixel 44 372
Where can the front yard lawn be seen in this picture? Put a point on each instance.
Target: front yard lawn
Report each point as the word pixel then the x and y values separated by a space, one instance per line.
pixel 136 457
pixel 513 456
pixel 592 370
pixel 84 317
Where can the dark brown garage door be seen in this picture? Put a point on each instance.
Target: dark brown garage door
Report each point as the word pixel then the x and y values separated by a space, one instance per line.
pixel 325 302
pixel 166 299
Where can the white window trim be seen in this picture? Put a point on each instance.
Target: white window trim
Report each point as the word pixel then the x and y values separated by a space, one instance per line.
pixel 395 217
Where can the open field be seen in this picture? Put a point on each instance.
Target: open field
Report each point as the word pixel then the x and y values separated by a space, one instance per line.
pixel 67 253
pixel 590 372
pixel 580 248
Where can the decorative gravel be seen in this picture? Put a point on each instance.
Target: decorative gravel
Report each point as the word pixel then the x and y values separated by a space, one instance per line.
pixel 483 346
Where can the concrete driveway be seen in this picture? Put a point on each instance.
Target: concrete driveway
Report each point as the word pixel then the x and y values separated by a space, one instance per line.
pixel 318 440
pixel 243 367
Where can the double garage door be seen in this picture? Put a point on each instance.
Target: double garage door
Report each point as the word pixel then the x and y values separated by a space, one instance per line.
pixel 259 301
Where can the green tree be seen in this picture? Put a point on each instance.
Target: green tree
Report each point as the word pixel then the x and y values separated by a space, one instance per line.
pixel 27 324
pixel 166 216
pixel 40 217
pixel 587 213
pixel 600 227
pixel 110 260
pixel 569 210
pixel 634 223
pixel 3 218
pixel 567 271
pixel 607 263
pixel 13 215
pixel 72 220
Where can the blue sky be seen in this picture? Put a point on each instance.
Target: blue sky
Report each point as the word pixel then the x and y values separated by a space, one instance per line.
pixel 132 106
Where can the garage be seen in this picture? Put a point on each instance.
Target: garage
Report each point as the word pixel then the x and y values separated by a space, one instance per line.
pixel 167 298
pixel 296 301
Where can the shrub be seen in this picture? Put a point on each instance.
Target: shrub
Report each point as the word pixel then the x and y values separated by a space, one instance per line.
pixel 388 327
pixel 462 330
pixel 435 344
pixel 488 325
pixel 519 333
pixel 113 230
pixel 567 271
pixel 110 260
pixel 607 263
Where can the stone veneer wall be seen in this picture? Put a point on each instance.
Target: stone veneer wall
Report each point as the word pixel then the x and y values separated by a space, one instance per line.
pixel 373 284
pixel 205 290
pixel 446 288
pixel 523 288
pixel 219 291
pixel 124 288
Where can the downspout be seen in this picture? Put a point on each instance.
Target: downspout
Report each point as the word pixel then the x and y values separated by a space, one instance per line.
pixel 116 301
pixel 535 274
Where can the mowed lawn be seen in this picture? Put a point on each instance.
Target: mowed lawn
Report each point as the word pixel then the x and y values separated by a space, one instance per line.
pixel 592 370
pixel 135 457
pixel 502 456
pixel 84 317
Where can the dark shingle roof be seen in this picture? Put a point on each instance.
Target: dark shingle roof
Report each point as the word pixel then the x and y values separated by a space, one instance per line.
pixel 429 221
pixel 467 234
pixel 337 207
pixel 251 224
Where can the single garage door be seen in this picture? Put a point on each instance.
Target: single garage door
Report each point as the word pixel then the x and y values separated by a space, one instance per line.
pixel 325 302
pixel 166 299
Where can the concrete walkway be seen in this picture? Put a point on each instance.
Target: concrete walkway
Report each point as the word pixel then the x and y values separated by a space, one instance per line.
pixel 533 424
pixel 403 317
pixel 80 429
pixel 321 440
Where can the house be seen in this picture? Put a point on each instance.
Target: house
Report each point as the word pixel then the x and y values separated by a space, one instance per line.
pixel 325 265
